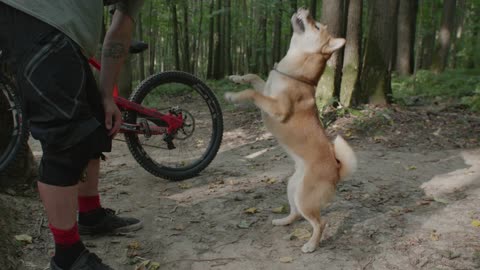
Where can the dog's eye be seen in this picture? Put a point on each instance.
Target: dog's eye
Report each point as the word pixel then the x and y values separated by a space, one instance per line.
pixel 316 26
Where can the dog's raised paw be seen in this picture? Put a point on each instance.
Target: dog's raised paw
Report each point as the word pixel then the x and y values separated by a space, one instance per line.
pixel 309 248
pixel 236 79
pixel 230 96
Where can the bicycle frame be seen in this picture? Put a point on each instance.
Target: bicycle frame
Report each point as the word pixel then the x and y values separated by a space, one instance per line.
pixel 170 123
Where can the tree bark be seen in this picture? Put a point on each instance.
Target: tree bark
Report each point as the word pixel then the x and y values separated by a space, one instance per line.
pixel 459 24
pixel 141 58
pixel 186 38
pixel 375 79
pixel 176 49
pixel 445 36
pixel 329 84
pixel 351 62
pixel 313 7
pixel 219 45
pixel 277 33
pixel 211 41
pixel 407 13
pixel 228 37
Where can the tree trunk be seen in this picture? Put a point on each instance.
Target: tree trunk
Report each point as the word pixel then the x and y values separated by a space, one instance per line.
pixel 141 58
pixel 277 33
pixel 375 79
pixel 351 62
pixel 153 41
pixel 329 84
pixel 407 12
pixel 228 37
pixel 197 41
pixel 186 38
pixel 313 7
pixel 445 36
pixel 459 23
pixel 176 49
pixel 211 41
pixel 125 78
pixel 219 46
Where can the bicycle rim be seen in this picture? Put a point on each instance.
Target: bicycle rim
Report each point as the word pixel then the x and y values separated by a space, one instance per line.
pixel 11 119
pixel 196 144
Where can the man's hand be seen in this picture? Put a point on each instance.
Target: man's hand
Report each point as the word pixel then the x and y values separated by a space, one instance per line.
pixel 113 116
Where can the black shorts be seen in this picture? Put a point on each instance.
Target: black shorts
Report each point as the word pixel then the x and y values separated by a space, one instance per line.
pixel 61 99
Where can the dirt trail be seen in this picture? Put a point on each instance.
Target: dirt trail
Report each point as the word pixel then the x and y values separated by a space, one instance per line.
pixel 407 207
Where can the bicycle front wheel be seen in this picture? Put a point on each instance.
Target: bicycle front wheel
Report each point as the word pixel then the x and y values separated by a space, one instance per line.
pixel 191 149
pixel 14 131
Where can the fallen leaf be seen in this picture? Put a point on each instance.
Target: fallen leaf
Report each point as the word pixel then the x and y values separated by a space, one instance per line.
pixel 184 185
pixel 134 245
pixel 271 181
pixel 300 233
pixel 434 236
pixel 279 210
pixel 476 223
pixel 244 224
pixel 411 168
pixel 251 210
pixel 286 259
pixel 154 266
pixel 179 227
pixel 24 238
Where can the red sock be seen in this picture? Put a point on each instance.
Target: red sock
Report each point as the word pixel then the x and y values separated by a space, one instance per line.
pixel 88 203
pixel 65 237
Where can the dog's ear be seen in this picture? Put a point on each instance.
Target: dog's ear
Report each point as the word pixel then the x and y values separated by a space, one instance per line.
pixel 333 45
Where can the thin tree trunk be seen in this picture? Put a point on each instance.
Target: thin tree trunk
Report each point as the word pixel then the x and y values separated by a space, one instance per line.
pixel 176 47
pixel 141 57
pixel 456 38
pixel 228 37
pixel 197 41
pixel 219 46
pixel 211 41
pixel 405 36
pixel 377 66
pixel 445 36
pixel 186 38
pixel 351 62
pixel 329 84
pixel 277 33
pixel 313 7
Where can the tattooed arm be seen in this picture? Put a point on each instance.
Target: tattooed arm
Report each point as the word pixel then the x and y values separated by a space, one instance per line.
pixel 114 52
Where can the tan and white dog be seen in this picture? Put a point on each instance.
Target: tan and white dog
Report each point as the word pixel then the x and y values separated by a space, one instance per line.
pixel 287 102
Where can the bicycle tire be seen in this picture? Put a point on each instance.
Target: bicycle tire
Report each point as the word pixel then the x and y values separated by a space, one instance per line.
pixel 15 148
pixel 204 92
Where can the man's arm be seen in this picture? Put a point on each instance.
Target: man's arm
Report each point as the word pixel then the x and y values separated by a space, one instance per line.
pixel 114 53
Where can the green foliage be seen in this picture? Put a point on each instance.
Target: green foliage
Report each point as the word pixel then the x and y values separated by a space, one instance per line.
pixel 454 84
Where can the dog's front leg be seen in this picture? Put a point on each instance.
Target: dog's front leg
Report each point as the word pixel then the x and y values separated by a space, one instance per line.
pixel 279 108
pixel 257 82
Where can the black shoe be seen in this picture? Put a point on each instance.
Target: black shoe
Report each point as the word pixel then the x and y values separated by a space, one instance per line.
pixel 107 222
pixel 86 261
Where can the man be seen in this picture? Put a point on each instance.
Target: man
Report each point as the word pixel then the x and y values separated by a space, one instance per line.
pixel 48 43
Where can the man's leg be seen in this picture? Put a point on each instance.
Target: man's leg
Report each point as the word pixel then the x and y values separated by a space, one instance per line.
pixel 61 206
pixel 92 217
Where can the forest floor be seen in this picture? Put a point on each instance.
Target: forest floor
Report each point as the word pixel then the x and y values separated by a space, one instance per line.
pixel 414 202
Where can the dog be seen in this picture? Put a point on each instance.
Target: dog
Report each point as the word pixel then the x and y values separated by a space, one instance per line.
pixel 287 103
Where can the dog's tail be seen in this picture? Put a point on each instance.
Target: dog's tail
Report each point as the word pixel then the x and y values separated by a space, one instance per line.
pixel 346 156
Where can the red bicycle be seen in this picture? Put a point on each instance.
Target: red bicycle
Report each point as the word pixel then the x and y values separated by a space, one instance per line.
pixel 172 123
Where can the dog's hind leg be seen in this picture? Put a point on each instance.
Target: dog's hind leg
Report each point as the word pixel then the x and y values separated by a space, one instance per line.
pixel 292 188
pixel 257 82
pixel 310 199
